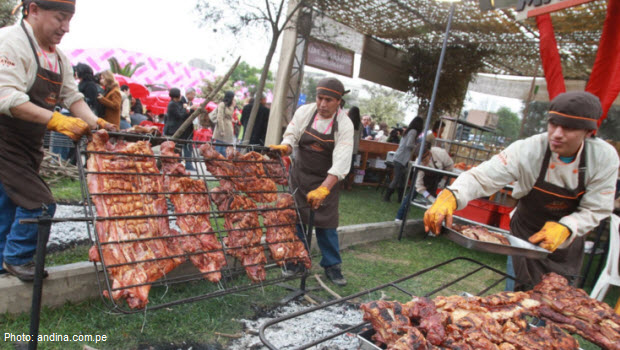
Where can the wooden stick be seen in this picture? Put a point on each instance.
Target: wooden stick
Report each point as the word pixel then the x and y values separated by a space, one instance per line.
pixel 226 335
pixel 201 110
pixel 310 300
pixel 318 279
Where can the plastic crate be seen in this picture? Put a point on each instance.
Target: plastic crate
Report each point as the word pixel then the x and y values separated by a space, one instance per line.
pixel 480 210
pixel 504 217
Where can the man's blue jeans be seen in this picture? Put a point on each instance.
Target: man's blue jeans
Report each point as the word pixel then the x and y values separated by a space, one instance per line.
pixel 187 153
pixel 510 270
pixel 17 242
pixel 327 238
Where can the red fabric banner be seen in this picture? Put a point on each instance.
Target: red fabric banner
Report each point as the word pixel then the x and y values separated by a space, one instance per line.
pixel 550 57
pixel 605 77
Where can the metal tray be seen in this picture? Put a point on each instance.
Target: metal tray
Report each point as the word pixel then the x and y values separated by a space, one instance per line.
pixel 517 247
pixel 365 340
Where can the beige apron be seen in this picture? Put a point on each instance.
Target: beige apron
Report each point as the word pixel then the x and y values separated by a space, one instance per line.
pixel 21 143
pixel 314 159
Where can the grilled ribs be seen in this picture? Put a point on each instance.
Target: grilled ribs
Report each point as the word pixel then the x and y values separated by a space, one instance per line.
pixel 494 322
pixel 244 233
pixel 481 234
pixel 281 236
pixel 125 259
pixel 199 240
pixel 244 173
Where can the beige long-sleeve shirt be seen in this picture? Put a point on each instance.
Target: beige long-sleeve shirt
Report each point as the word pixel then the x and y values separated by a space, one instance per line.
pixel 343 137
pixel 521 162
pixel 18 69
pixel 440 159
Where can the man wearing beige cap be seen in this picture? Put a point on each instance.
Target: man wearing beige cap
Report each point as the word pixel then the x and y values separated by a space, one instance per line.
pixel 564 179
pixel 35 77
pixel 323 135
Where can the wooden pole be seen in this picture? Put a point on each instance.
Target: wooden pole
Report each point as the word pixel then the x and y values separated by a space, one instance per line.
pixel 201 110
pixel 530 97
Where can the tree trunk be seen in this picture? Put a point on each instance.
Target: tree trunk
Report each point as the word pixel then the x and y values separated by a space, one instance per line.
pixel 261 87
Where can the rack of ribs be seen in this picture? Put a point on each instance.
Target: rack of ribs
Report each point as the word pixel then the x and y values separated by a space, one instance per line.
pixel 244 233
pixel 139 252
pixel 281 236
pixel 199 241
pixel 251 177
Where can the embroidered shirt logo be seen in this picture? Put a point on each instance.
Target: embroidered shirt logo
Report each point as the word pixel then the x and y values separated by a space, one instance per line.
pixel 5 61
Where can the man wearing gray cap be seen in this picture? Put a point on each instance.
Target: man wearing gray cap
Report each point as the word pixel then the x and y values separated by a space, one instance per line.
pixel 323 135
pixel 35 77
pixel 565 182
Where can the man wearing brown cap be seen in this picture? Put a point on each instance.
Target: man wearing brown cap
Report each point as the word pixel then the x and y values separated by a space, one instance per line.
pixel 35 77
pixel 565 182
pixel 322 134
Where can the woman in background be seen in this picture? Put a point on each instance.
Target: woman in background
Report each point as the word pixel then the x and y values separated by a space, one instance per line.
pixel 89 87
pixel 110 99
pixel 224 132
pixel 402 157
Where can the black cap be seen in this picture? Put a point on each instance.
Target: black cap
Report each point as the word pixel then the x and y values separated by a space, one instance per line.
pixel 575 109
pixel 58 5
pixel 330 87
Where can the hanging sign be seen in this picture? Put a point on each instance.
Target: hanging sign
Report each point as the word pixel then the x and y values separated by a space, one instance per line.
pixel 330 57
pixel 532 8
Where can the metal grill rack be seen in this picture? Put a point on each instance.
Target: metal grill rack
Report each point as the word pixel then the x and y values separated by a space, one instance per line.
pixel 170 288
pixel 455 276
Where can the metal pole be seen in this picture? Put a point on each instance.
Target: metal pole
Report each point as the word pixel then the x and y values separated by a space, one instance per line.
pixel 428 119
pixel 45 224
pixel 309 240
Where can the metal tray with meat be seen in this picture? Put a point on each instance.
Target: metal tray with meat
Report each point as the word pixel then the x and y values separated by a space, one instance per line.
pixel 516 247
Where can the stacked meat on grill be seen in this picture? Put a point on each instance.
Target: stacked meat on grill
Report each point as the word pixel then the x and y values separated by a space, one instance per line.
pixel 138 251
pixel 283 243
pixel 496 321
pixel 573 310
pixel 481 234
pixel 244 233
pixel 199 240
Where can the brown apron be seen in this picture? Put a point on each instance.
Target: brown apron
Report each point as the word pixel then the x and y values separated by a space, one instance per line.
pixel 314 159
pixel 548 202
pixel 21 144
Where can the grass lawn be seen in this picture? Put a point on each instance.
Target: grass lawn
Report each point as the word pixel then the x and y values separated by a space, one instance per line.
pixel 365 266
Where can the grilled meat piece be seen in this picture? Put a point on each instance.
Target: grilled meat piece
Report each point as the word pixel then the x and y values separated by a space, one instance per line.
pixel 281 233
pixel 481 234
pixel 204 250
pixel 115 174
pixel 244 235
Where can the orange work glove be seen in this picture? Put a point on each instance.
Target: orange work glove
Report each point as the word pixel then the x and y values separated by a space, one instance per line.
pixel 103 124
pixel 444 206
pixel 283 149
pixel 316 197
pixel 69 126
pixel 551 236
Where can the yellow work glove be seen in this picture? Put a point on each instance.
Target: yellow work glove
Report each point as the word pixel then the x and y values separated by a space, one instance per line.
pixel 283 149
pixel 103 124
pixel 444 206
pixel 69 126
pixel 316 197
pixel 551 236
